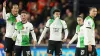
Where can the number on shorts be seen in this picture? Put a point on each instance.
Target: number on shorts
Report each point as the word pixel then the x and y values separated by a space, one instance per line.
pixel 82 52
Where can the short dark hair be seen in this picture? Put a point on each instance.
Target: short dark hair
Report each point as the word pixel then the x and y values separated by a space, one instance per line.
pixel 24 12
pixel 79 16
pixel 56 10
pixel 90 8
pixel 14 5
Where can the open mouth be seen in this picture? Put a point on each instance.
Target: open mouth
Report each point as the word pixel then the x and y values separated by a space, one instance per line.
pixel 16 11
pixel 23 18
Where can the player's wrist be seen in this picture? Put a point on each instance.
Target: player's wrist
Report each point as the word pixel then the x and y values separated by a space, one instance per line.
pixel 65 38
pixel 89 42
pixel 69 43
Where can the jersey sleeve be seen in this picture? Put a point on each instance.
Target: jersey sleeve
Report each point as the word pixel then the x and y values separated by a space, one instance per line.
pixel 75 36
pixel 64 24
pixel 88 23
pixel 31 27
pixel 5 16
pixel 43 34
pixel 47 24
pixel 32 32
pixel 44 31
pixel 65 29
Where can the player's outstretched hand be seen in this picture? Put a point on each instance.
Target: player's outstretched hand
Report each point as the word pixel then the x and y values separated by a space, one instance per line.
pixel 64 40
pixel 4 4
pixel 68 45
pixel 14 38
pixel 39 42
pixel 89 48
pixel 34 43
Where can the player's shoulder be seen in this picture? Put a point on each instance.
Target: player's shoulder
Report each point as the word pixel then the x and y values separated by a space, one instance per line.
pixel 82 26
pixel 18 22
pixel 29 24
pixel 88 18
pixel 50 21
pixel 78 26
pixel 62 21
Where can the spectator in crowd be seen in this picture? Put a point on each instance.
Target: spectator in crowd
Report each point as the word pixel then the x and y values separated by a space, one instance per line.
pixel 20 6
pixel 36 30
pixel 2 21
pixel 33 20
pixel 0 7
pixel 8 9
pixel 2 38
pixel 2 34
pixel 56 6
pixel 68 17
pixel 97 36
pixel 64 5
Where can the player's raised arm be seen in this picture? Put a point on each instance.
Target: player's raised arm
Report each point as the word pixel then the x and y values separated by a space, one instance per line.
pixel 44 31
pixel 4 10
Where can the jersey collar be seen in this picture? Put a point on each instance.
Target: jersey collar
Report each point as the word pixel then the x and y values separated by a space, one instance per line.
pixel 81 25
pixel 23 23
pixel 90 17
pixel 14 15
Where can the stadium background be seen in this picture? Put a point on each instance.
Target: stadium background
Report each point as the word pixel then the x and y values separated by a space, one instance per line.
pixel 41 10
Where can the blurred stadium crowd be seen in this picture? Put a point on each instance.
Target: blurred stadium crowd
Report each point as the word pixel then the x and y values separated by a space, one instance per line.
pixel 41 10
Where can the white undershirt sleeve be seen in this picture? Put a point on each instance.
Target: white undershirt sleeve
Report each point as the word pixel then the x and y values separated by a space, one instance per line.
pixel 4 13
pixel 32 32
pixel 42 35
pixel 44 31
pixel 33 35
pixel 65 29
pixel 74 38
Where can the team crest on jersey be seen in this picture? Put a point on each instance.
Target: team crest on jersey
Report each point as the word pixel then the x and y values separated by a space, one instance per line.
pixel 89 23
pixel 16 20
pixel 22 27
